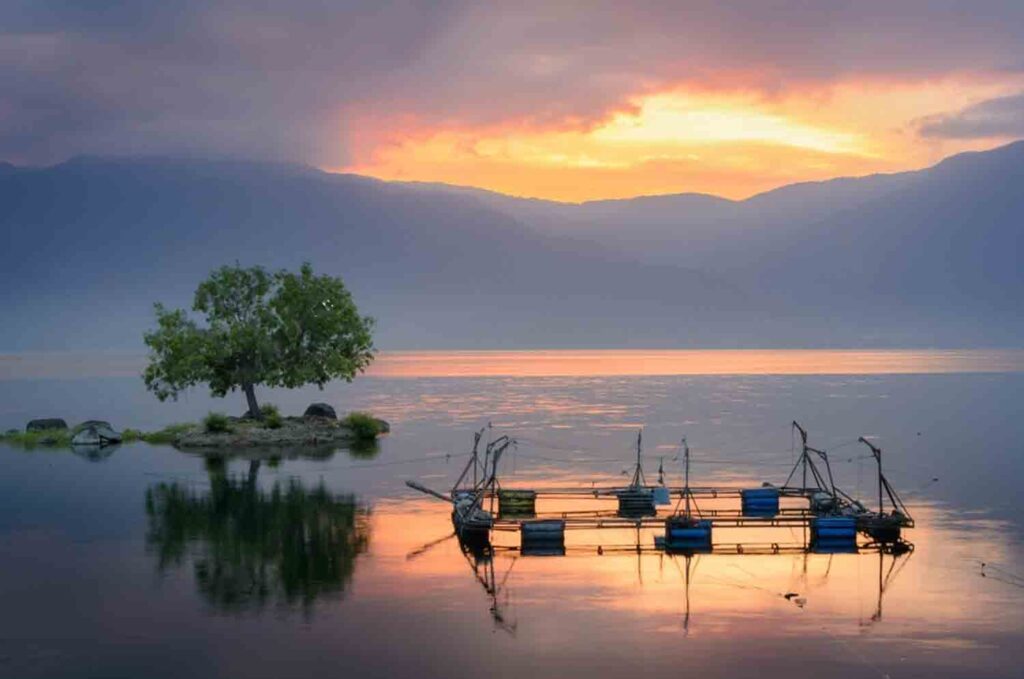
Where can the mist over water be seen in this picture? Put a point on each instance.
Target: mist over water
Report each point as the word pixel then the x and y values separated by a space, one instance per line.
pixel 159 562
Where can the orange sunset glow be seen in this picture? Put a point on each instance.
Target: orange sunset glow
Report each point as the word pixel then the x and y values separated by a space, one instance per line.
pixel 727 588
pixel 727 142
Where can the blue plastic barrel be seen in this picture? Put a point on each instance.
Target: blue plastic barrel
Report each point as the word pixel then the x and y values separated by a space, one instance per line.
pixel 542 538
pixel 760 501
pixel 834 547
pixel 636 503
pixel 683 535
pixel 834 534
pixel 549 529
pixel 766 492
pixel 835 521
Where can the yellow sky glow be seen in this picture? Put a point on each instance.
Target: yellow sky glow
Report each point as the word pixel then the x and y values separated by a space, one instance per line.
pixel 732 144
pixel 677 120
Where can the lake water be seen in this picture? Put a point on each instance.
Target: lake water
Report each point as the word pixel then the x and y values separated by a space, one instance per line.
pixel 158 563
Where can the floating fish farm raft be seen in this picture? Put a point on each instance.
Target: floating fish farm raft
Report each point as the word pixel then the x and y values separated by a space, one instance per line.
pixel 830 520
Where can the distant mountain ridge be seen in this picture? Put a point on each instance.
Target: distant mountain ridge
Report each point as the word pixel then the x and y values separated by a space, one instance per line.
pixel 917 258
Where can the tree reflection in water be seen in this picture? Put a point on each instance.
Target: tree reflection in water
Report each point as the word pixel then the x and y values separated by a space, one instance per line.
pixel 250 547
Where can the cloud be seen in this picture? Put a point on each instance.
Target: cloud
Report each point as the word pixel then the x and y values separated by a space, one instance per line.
pixel 312 80
pixel 216 78
pixel 1001 117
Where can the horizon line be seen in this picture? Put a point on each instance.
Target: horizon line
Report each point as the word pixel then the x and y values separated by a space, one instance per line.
pixel 440 185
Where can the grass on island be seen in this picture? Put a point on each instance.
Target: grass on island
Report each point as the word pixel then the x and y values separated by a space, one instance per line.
pixel 166 435
pixel 216 423
pixel 61 438
pixel 271 416
pixel 53 438
pixel 219 423
pixel 364 426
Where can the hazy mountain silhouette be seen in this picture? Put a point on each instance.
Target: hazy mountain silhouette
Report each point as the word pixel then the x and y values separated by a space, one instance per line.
pixel 927 257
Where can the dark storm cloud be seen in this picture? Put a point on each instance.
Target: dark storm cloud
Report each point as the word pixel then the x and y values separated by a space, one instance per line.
pixel 205 78
pixel 280 80
pixel 994 118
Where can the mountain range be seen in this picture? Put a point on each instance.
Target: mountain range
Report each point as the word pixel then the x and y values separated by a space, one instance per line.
pixel 924 258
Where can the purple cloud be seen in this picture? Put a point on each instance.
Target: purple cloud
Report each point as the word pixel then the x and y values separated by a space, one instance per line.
pixel 1002 117
pixel 273 80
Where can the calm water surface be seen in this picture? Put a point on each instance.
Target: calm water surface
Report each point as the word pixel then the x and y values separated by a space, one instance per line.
pixel 153 562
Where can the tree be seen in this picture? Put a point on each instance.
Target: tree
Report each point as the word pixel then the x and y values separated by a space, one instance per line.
pixel 279 330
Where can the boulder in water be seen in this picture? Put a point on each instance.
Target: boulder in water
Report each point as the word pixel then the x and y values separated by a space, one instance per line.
pixel 320 410
pixel 46 424
pixel 91 423
pixel 96 434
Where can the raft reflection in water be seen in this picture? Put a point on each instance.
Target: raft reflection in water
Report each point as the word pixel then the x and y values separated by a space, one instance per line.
pixel 619 577
pixel 249 547
pixel 481 556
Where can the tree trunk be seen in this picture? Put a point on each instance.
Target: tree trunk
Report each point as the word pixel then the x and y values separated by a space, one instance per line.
pixel 250 398
pixel 254 470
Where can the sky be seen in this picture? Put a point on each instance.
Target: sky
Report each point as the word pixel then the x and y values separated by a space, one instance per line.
pixel 564 100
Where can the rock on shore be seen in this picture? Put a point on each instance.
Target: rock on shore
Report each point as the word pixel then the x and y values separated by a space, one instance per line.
pixel 47 424
pixel 321 410
pixel 95 433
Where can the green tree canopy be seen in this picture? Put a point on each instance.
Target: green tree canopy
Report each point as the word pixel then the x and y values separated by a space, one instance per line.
pixel 279 329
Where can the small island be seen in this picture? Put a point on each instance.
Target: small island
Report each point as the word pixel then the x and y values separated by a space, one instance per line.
pixel 280 329
pixel 318 426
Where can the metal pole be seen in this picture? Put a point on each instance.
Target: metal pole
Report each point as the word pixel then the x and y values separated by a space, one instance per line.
pixel 881 562
pixel 828 467
pixel 803 455
pixel 428 491
pixel 686 619
pixel 877 452
pixel 878 457
pixel 638 475
pixel 476 444
pixel 686 487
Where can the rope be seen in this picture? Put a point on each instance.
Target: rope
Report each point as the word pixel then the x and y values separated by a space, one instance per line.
pixel 756 463
pixel 411 460
pixel 842 445
pixel 1010 576
pixel 921 488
